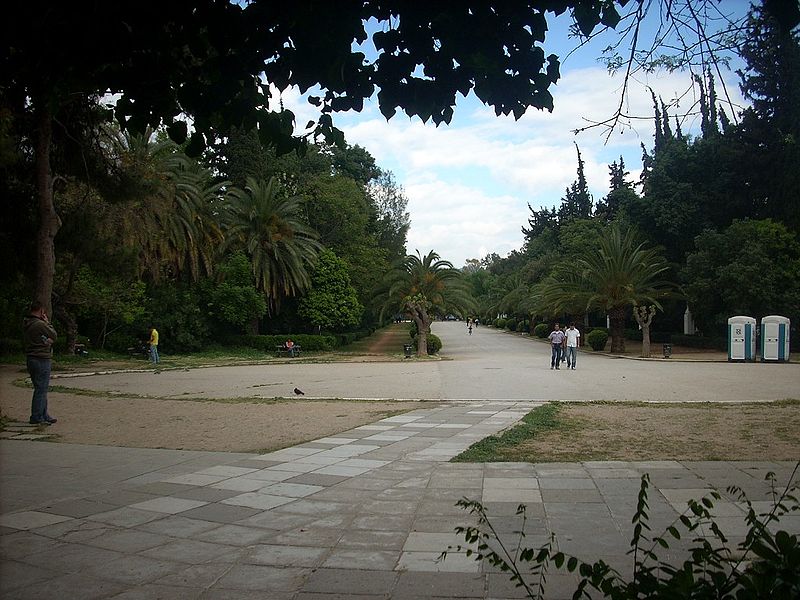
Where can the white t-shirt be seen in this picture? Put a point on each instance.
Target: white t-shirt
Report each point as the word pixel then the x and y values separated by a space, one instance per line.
pixel 572 337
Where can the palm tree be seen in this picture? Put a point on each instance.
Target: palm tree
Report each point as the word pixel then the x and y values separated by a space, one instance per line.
pixel 268 227
pixel 423 287
pixel 619 273
pixel 168 215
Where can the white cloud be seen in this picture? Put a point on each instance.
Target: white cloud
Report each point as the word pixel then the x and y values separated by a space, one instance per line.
pixel 469 183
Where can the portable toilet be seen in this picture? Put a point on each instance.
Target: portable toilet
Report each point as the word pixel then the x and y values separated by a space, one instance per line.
pixel 775 339
pixel 741 339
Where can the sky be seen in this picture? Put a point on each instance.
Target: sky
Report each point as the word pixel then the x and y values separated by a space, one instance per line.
pixel 469 183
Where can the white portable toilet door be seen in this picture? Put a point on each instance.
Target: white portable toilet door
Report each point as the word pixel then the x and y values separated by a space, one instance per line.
pixel 740 340
pixel 769 341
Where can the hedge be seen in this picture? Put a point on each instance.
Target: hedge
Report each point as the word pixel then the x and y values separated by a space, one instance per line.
pixel 434 343
pixel 267 343
pixel 541 330
pixel 597 339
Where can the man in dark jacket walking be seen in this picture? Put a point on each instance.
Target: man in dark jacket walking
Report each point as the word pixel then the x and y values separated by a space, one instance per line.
pixel 39 339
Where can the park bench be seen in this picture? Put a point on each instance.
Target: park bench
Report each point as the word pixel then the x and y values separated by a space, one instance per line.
pixel 281 349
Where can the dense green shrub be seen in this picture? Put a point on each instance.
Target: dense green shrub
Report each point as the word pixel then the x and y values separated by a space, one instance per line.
pixel 542 330
pixel 597 339
pixel 267 343
pixel 434 343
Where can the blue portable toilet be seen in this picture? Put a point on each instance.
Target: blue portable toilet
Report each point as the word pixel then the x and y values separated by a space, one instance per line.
pixel 775 339
pixel 741 339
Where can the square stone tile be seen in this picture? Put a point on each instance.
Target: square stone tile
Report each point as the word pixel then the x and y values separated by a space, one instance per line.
pixel 129 541
pixel 288 454
pixel 416 585
pixel 375 540
pixel 206 494
pixel 195 576
pixel 291 490
pixel 132 570
pixel 44 586
pixel 221 513
pixel 258 501
pixel 335 441
pixel 30 519
pixel 317 479
pixel 168 505
pixel 347 581
pixel 566 483
pixel 343 471
pixel 347 558
pixel 512 495
pixel 78 508
pixel 226 471
pixel 264 579
pixel 193 552
pixel 73 558
pixel 272 475
pixel 429 562
pixel 178 526
pixel 419 541
pixel 194 479
pixel 240 484
pixel 22 543
pixel 234 535
pixel 286 556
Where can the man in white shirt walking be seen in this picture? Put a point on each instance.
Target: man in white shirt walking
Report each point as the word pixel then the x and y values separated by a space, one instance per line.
pixel 572 335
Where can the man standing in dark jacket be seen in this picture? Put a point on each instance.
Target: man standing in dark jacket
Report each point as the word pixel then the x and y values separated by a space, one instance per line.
pixel 39 339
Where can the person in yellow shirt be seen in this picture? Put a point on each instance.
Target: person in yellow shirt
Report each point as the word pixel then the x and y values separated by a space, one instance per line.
pixel 154 345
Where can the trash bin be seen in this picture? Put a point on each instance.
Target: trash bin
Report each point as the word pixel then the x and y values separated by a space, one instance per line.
pixel 775 339
pixel 408 350
pixel 741 339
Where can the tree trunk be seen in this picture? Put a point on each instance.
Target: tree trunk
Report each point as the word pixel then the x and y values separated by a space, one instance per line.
pixel 49 222
pixel 644 316
pixel 617 317
pixel 70 325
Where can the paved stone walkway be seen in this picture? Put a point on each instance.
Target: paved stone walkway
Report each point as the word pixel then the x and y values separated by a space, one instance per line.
pixel 363 514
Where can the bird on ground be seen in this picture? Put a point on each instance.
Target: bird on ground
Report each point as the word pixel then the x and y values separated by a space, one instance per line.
pixel 299 392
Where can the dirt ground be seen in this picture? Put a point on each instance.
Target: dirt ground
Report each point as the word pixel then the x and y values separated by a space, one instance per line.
pixel 190 425
pixel 606 431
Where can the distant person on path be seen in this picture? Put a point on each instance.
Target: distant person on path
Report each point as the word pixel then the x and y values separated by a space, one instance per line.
pixel 572 335
pixel 556 338
pixel 154 346
pixel 39 339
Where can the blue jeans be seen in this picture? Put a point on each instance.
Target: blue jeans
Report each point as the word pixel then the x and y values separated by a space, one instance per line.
pixel 39 370
pixel 572 354
pixel 154 353
pixel 555 359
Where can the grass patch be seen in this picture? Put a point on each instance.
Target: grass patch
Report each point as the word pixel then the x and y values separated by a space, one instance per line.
pixel 498 448
pixel 621 431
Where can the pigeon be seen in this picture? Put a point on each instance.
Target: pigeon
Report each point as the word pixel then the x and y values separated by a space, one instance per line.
pixel 299 392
